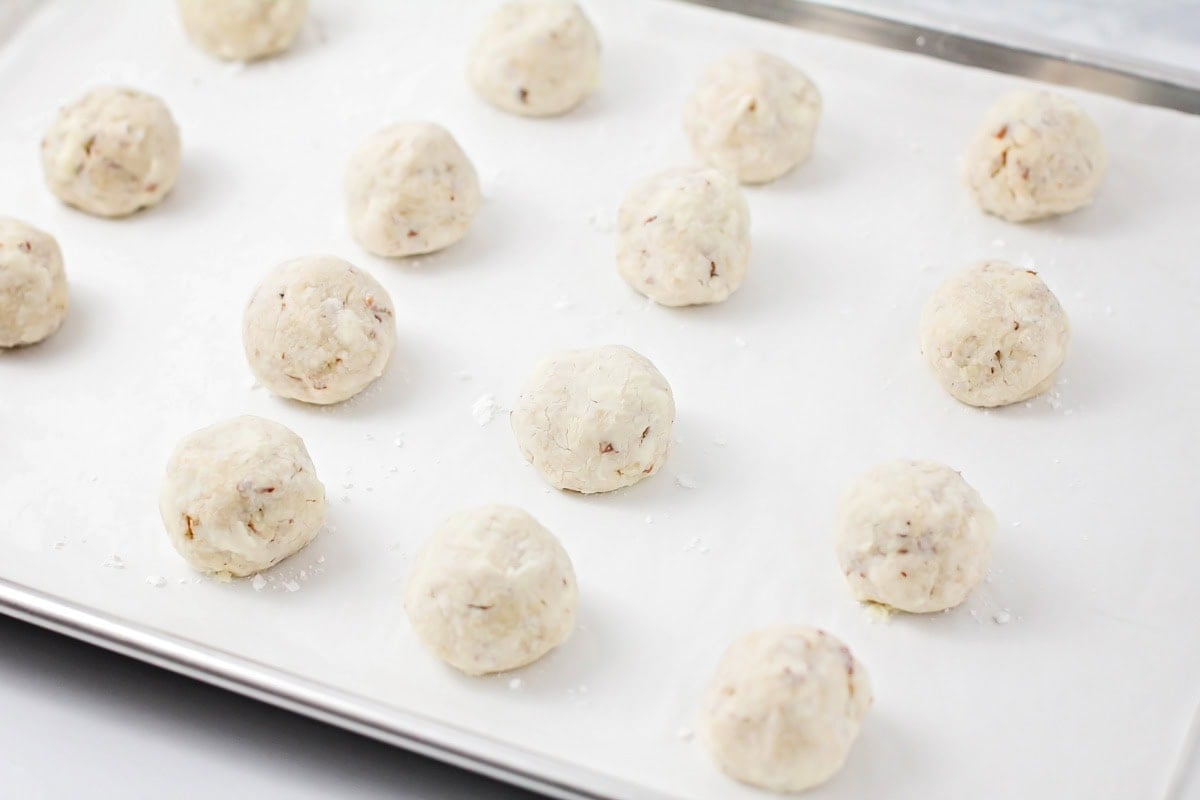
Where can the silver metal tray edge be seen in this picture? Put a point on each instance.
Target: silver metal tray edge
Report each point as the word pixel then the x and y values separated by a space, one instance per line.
pixel 1141 82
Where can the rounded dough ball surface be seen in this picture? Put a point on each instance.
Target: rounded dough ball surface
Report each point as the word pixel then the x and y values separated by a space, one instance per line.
pixel 318 329
pixel 410 189
pixel 241 496
pixel 595 420
pixel 753 116
pixel 112 153
pixel 683 237
pixel 784 708
pixel 492 590
pixel 994 335
pixel 913 535
pixel 1035 155
pixel 33 286
pixel 243 30
pixel 536 57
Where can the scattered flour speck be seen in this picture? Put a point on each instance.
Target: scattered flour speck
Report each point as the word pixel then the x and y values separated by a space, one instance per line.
pixel 686 481
pixel 157 581
pixel 515 683
pixel 114 562
pixel 291 586
pixel 1001 617
pixel 685 734
pixel 258 583
pixel 484 409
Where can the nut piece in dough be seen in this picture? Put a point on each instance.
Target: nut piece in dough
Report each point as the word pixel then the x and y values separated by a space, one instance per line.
pixel 753 116
pixel 784 708
pixel 243 30
pixel 1036 154
pixel 491 590
pixel 595 420
pixel 33 286
pixel 410 189
pixel 318 329
pixel 683 237
pixel 994 334
pixel 536 57
pixel 241 496
pixel 913 535
pixel 114 152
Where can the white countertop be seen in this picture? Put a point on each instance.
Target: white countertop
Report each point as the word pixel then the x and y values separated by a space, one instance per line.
pixel 80 722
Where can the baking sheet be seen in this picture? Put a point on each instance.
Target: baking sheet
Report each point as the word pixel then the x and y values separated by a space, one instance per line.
pixel 808 375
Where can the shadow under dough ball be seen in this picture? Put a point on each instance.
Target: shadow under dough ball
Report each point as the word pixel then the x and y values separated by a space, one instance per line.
pixel 113 152
pixel 33 285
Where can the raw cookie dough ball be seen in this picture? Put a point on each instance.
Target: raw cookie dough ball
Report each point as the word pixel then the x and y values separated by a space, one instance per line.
pixel 318 329
pixel 536 57
pixel 784 708
pixel 241 496
pixel 753 115
pixel 33 286
pixel 994 334
pixel 492 590
pixel 410 189
pixel 1037 154
pixel 112 153
pixel 683 237
pixel 243 30
pixel 595 420
pixel 913 535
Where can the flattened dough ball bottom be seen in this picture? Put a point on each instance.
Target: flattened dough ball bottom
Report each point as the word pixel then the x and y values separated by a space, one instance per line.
pixel 33 285
pixel 753 116
pixel 683 237
pixel 784 708
pixel 913 535
pixel 318 329
pixel 491 590
pixel 994 335
pixel 240 496
pixel 595 420
pixel 410 189
pixel 536 58
pixel 243 30
pixel 113 152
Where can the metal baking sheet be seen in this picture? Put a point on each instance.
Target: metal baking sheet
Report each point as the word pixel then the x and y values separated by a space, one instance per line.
pixel 805 377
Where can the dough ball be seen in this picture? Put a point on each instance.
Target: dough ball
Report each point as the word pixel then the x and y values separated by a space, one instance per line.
pixel 241 496
pixel 595 420
pixel 318 329
pixel 913 535
pixel 1037 154
pixel 994 334
pixel 784 708
pixel 536 57
pixel 683 237
pixel 492 590
pixel 753 116
pixel 114 152
pixel 410 189
pixel 243 30
pixel 33 286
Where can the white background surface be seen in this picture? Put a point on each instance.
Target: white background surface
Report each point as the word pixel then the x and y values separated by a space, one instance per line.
pixel 1085 258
